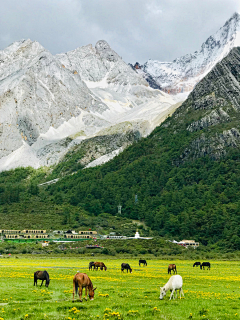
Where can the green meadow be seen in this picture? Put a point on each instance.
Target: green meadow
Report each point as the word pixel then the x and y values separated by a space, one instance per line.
pixel 208 294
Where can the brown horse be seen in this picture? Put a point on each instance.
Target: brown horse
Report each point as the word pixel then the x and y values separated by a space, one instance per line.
pixel 100 265
pixel 80 281
pixel 172 267
pixel 41 275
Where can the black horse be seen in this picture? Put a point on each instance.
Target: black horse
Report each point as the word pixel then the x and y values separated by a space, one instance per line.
pixel 144 262
pixel 91 265
pixel 41 275
pixel 126 266
pixel 196 264
pixel 205 264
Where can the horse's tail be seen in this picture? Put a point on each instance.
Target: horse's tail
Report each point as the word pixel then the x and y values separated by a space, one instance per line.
pixel 76 286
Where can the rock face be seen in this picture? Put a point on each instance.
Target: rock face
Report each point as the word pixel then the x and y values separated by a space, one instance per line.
pixel 48 104
pixel 100 64
pixel 212 111
pixel 185 72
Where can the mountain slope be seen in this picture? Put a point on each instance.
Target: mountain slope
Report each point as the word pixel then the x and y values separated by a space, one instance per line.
pixel 185 174
pixel 183 73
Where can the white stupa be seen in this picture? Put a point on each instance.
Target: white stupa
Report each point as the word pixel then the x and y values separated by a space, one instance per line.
pixel 137 235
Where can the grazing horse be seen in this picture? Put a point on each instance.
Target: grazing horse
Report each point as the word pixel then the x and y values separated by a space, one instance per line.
pixel 100 265
pixel 174 283
pixel 144 262
pixel 80 281
pixel 41 275
pixel 196 264
pixel 205 264
pixel 126 266
pixel 91 265
pixel 172 267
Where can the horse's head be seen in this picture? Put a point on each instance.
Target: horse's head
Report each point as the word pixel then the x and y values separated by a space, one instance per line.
pixel 91 294
pixel 130 270
pixel 105 268
pixel 47 282
pixel 162 293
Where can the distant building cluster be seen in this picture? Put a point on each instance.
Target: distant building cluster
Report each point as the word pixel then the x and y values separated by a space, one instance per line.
pixel 24 234
pixel 42 234
pixel 186 243
pixel 80 235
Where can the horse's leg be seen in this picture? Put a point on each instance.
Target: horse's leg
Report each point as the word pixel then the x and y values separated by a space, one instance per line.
pixel 86 293
pixel 176 294
pixel 73 290
pixel 172 294
pixel 80 293
pixel 181 292
pixel 41 283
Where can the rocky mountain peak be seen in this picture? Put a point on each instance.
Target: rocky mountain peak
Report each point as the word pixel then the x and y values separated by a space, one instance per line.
pixel 185 72
pixel 105 51
pixel 235 18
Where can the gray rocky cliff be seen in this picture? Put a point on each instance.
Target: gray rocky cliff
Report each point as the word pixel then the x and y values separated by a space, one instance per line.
pixel 212 111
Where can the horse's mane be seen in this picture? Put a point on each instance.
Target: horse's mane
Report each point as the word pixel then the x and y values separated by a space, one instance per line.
pixel 90 284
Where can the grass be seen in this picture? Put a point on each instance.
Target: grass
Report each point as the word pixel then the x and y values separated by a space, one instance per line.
pixel 210 294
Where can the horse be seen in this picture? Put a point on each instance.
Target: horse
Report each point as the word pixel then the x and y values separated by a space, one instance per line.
pixel 205 264
pixel 196 264
pixel 100 265
pixel 41 275
pixel 126 266
pixel 172 267
pixel 144 262
pixel 174 283
pixel 91 265
pixel 80 281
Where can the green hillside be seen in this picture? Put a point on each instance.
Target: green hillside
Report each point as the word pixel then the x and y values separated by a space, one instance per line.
pixel 186 174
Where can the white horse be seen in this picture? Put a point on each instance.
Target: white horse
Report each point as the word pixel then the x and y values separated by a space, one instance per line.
pixel 174 283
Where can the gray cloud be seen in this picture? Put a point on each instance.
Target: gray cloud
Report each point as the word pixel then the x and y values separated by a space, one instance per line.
pixel 136 29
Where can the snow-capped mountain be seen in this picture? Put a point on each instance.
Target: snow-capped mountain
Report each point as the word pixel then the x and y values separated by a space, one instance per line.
pixel 183 73
pixel 48 104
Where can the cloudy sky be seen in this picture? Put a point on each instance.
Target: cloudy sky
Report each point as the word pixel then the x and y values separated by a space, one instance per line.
pixel 137 30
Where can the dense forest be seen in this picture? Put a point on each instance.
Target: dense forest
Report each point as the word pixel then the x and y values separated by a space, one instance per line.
pixel 197 199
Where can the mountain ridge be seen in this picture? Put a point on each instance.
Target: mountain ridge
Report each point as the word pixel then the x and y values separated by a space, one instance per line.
pixel 46 107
